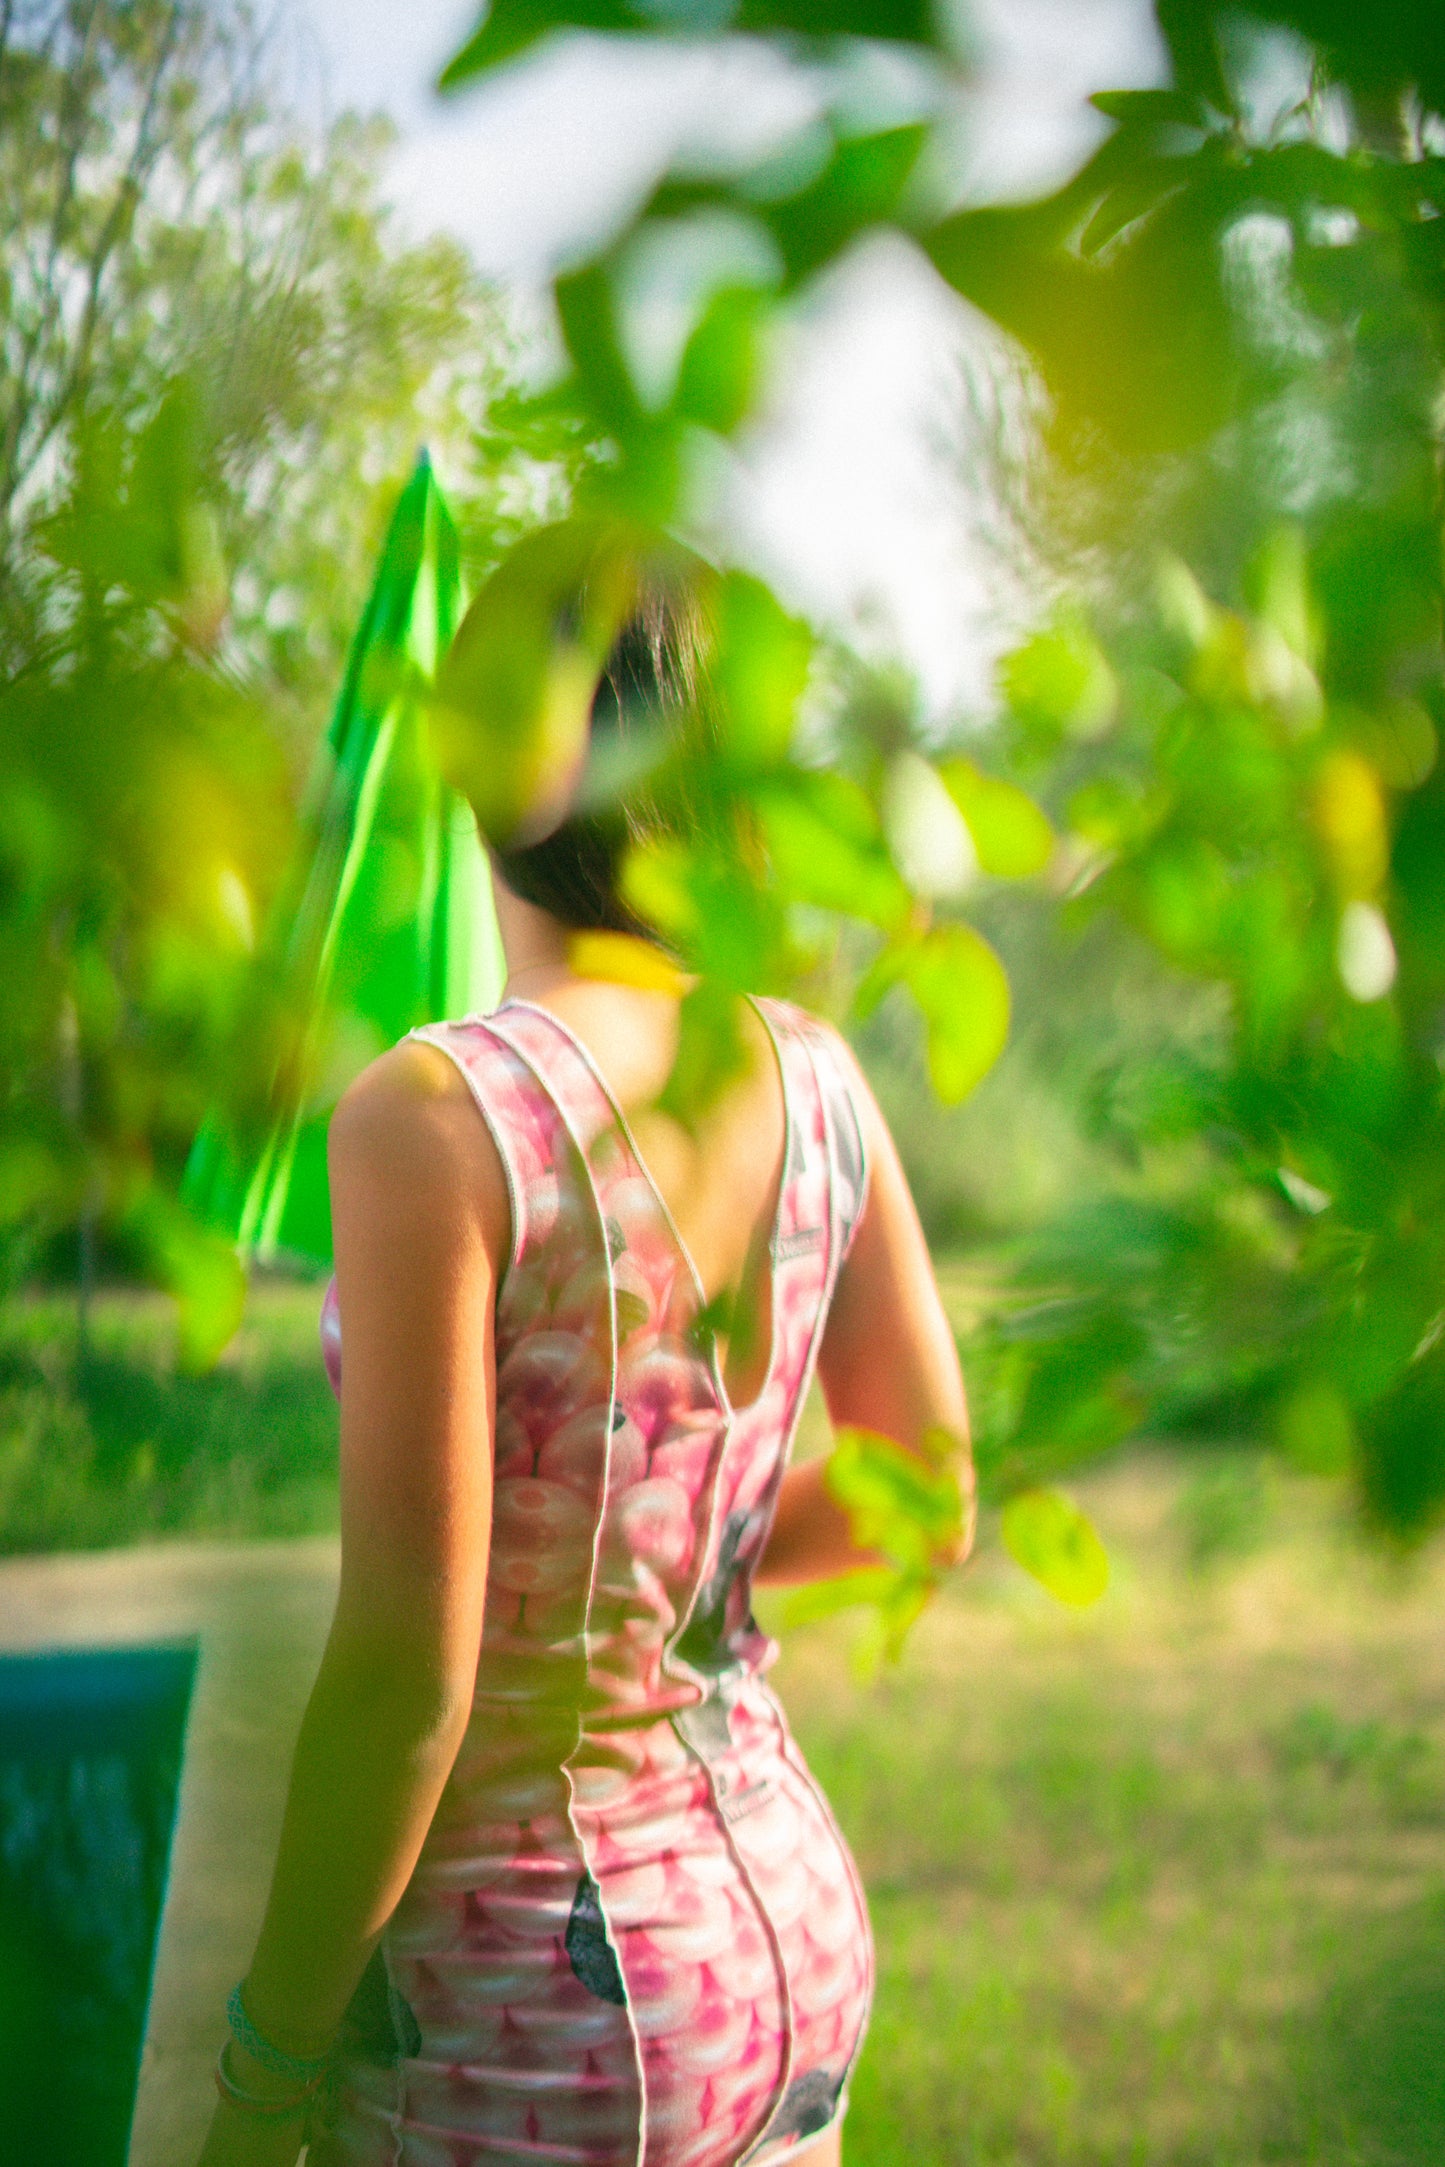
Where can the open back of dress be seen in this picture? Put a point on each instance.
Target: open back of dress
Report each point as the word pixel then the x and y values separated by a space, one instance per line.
pixel 635 1937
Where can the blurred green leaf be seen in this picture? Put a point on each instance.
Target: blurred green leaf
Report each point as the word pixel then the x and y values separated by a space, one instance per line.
pixel 821 1599
pixel 963 992
pixel 760 668
pixel 861 184
pixel 1011 834
pixel 718 376
pixel 587 307
pixel 513 696
pixel 912 22
pixel 1150 107
pixel 1316 1432
pixel 1350 816
pixel 711 1053
pixel 1052 1540
pixel 713 910
pixel 896 1502
pixel 1140 339
pixel 199 1267
pixel 1134 196
pixel 643 481
pixel 1059 683
pixel 928 838
pixel 906 1505
pixel 1191 34
pixel 511 27
pixel 897 1614
pixel 658 883
pixel 825 849
pixel 1402 1450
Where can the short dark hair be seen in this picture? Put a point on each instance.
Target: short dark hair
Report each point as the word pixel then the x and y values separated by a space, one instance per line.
pixel 652 677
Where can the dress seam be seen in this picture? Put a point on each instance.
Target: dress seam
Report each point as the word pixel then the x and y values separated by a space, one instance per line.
pixel 590 1178
pixel 787 1746
pixel 785 1990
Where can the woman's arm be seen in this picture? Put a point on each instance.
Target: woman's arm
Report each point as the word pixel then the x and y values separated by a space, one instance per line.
pixel 888 1363
pixel 421 1220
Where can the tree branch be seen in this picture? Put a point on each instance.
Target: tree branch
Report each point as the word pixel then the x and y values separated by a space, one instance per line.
pixel 129 189
pixel 70 137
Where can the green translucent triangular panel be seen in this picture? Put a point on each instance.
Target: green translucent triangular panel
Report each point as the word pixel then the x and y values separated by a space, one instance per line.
pixel 387 919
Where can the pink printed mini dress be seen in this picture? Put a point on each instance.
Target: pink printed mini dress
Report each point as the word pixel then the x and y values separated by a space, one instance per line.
pixel 635 1937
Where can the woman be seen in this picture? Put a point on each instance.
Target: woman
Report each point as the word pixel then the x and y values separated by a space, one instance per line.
pixel 554 1884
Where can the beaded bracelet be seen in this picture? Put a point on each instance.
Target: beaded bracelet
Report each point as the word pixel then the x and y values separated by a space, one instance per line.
pixel 273 2110
pixel 303 2069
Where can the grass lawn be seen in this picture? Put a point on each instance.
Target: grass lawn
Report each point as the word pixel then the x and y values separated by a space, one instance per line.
pixel 1163 1883
pixel 1160 1883
pixel 120 1449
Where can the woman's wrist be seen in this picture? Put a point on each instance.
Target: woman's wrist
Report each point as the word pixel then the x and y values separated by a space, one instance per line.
pixel 262 2082
pixel 251 2076
pixel 248 2135
pixel 270 2036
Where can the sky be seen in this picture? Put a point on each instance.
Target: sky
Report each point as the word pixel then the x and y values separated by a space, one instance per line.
pixel 850 494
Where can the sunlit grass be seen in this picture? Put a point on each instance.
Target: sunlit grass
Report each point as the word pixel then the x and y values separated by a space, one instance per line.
pixel 1163 1882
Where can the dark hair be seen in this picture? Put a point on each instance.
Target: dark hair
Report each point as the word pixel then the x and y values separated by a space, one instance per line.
pixel 650 682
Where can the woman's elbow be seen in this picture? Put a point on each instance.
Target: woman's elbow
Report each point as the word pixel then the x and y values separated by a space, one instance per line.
pixel 413 1688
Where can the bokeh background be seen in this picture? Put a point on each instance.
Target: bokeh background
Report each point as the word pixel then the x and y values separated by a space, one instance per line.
pixel 1055 396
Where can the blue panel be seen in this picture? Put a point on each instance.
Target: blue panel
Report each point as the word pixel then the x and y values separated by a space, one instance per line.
pixel 90 1758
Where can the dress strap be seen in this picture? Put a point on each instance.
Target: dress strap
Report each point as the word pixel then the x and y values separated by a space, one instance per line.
pixel 532 1143
pixel 635 1216
pixel 548 1049
pixel 525 1123
pixel 828 1183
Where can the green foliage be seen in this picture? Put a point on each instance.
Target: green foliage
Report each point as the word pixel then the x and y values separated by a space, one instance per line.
pixel 511 27
pixel 1218 749
pixel 1011 836
pixel 1277 1262
pixel 211 337
pixel 1231 722
pixel 963 995
pixel 907 1509
pixel 1052 1539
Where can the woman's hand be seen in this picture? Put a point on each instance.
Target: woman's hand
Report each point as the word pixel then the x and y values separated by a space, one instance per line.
pixel 239 2137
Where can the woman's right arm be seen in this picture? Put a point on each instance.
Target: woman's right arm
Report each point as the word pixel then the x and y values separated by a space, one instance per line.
pixel 888 1363
pixel 421 1220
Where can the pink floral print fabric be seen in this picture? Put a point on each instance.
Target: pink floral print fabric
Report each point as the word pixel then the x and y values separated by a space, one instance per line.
pixel 635 1937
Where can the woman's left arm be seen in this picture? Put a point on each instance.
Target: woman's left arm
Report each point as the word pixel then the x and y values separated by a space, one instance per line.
pixel 421 1221
pixel 888 1363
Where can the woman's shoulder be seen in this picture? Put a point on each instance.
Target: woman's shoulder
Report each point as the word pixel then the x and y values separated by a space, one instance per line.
pixel 409 1116
pixel 410 1077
